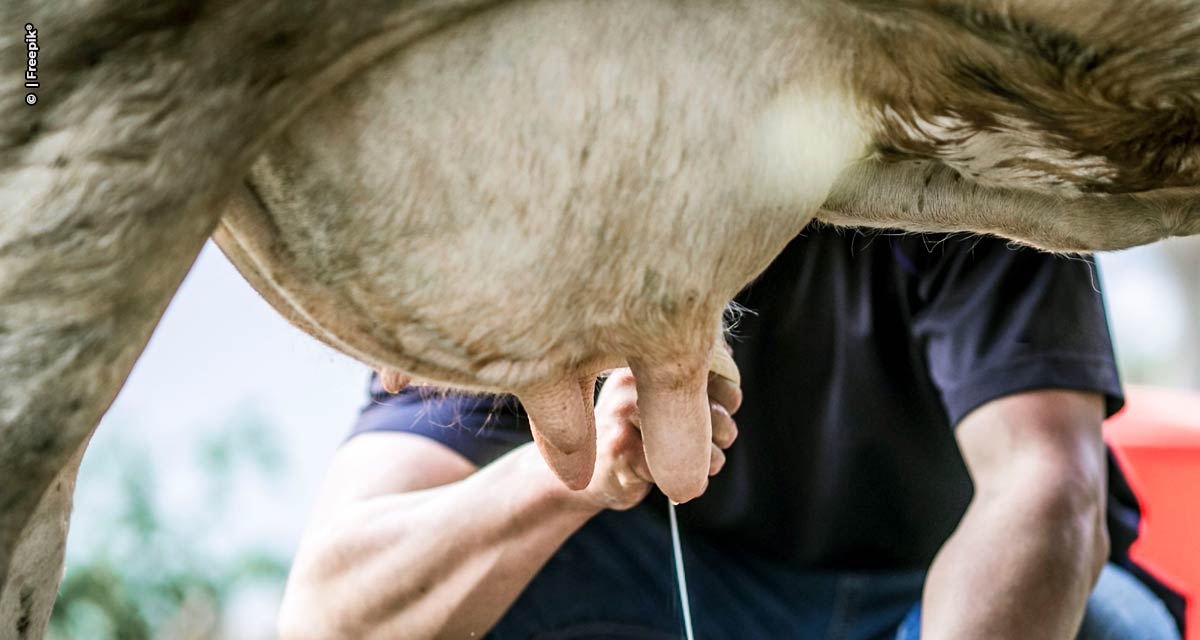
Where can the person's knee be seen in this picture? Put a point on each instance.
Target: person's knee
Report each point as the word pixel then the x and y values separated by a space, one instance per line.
pixel 1122 608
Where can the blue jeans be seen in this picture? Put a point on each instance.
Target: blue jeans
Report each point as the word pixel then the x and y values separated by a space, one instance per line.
pixel 615 579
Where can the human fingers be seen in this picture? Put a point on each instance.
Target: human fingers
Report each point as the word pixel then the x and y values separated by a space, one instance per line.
pixel 617 401
pixel 724 429
pixel 716 461
pixel 725 391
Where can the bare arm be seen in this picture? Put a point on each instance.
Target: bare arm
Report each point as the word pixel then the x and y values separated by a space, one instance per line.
pixel 413 560
pixel 1033 541
pixel 410 540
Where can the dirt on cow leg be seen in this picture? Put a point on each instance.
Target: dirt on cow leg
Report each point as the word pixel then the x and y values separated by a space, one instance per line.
pixel 110 182
pixel 76 317
pixel 38 559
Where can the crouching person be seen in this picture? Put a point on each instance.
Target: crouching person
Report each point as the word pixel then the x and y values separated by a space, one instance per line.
pixel 917 453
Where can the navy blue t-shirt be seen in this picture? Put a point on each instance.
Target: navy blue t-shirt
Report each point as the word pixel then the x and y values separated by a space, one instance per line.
pixel 859 354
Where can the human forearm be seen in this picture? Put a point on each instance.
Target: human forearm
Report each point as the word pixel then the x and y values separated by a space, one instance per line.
pixel 1027 553
pixel 409 539
pixel 441 562
pixel 1016 568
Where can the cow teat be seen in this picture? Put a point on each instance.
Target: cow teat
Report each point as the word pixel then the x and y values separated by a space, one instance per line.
pixel 393 380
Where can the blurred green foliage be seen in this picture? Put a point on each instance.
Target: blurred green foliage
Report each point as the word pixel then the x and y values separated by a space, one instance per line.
pixel 145 575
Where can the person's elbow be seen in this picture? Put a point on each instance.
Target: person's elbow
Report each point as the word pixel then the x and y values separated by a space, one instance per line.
pixel 1040 472
pixel 299 619
pixel 311 608
pixel 1066 508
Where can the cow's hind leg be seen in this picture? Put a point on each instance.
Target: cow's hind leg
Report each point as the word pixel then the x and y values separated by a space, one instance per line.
pixel 148 115
pixel 38 558
pixel 79 297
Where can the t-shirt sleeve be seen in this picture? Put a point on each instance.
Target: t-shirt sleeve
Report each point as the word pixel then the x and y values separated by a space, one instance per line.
pixel 996 320
pixel 481 428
